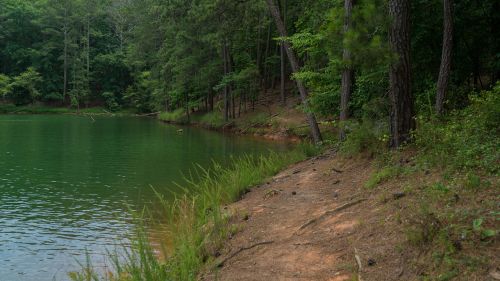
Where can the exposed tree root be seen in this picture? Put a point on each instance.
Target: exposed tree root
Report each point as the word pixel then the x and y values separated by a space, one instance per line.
pixel 329 213
pixel 221 263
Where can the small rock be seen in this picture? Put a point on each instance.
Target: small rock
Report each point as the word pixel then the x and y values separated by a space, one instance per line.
pixel 398 195
pixel 294 193
pixel 371 262
pixel 296 172
pixel 314 170
pixel 246 217
pixel 335 195
pixel 336 182
pixel 457 245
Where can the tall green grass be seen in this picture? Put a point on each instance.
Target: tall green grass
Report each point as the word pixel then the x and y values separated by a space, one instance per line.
pixel 177 116
pixel 197 222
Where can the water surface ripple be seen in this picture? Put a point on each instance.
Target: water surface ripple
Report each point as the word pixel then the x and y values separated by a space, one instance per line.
pixel 68 184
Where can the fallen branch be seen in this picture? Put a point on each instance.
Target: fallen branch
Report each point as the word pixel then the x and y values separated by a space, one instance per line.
pixel 330 212
pixel 148 114
pixel 221 263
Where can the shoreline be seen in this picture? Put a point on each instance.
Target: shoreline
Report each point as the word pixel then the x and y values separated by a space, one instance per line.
pixel 231 129
pixel 261 132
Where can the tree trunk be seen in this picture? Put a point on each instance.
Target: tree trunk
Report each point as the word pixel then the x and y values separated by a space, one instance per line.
pixel 65 83
pixel 402 116
pixel 210 100
pixel 226 87
pixel 295 68
pixel 187 107
pixel 347 73
pixel 88 49
pixel 266 55
pixel 282 58
pixel 444 70
pixel 230 88
pixel 282 88
pixel 231 93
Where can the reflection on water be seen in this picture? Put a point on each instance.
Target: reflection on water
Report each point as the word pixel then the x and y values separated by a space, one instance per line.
pixel 68 185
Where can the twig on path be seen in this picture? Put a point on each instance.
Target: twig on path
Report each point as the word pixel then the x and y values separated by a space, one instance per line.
pixel 221 263
pixel 330 212
pixel 358 261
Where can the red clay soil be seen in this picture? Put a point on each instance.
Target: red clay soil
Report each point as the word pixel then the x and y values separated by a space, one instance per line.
pixel 317 221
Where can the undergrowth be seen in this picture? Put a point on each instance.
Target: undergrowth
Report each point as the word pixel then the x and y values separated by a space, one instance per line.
pixel 451 221
pixel 176 116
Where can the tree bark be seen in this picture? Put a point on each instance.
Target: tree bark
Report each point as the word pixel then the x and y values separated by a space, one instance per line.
pixel 231 93
pixel 88 48
pixel 402 120
pixel 444 70
pixel 266 55
pixel 283 62
pixel 282 86
pixel 295 68
pixel 347 72
pixel 65 55
pixel 226 87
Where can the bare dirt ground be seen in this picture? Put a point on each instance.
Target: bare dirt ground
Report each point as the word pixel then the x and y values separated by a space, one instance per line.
pixel 317 221
pixel 308 229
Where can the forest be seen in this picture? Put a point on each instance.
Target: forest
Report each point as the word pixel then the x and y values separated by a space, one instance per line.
pixel 409 89
pixel 348 59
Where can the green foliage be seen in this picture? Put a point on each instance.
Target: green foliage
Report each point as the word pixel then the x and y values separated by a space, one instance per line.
pixel 212 119
pixel 177 116
pixel 467 139
pixel 138 95
pixel 383 175
pixel 367 136
pixel 111 101
pixel 23 89
pixel 477 226
pixel 4 85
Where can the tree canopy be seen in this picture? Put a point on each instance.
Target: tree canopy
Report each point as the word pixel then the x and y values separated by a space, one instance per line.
pixel 154 55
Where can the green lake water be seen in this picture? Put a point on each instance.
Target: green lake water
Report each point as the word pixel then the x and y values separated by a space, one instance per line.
pixel 69 184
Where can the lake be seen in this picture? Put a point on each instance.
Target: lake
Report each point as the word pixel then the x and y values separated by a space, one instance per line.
pixel 69 185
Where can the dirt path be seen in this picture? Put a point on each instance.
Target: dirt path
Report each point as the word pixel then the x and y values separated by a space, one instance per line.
pixel 317 221
pixel 299 241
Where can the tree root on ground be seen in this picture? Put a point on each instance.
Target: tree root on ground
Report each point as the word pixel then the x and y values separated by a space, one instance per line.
pixel 329 213
pixel 221 263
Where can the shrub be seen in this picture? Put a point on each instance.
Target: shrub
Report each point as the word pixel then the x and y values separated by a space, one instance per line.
pixel 176 116
pixel 466 139
pixel 367 136
pixel 110 101
pixel 23 88
pixel 212 119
